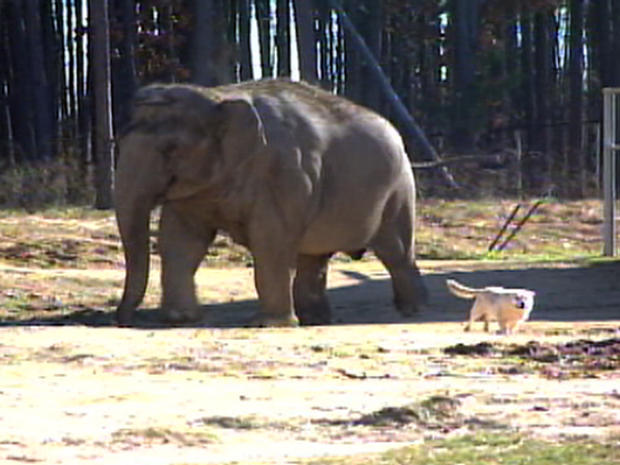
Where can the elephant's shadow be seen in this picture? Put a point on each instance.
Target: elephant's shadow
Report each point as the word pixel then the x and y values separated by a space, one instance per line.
pixel 570 294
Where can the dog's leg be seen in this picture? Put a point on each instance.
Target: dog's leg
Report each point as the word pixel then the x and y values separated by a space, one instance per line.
pixel 474 315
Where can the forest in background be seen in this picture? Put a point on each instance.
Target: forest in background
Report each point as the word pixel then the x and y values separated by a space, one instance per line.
pixel 478 76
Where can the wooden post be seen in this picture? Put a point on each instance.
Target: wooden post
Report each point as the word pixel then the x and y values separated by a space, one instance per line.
pixel 610 146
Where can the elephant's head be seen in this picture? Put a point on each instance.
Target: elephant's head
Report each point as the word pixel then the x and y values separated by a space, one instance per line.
pixel 178 143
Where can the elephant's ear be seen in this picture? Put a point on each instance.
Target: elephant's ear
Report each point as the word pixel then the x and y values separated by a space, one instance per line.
pixel 241 129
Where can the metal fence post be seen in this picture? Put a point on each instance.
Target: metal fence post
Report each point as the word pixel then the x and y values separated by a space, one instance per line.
pixel 610 146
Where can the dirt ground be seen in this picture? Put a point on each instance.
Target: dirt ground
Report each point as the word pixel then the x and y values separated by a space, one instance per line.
pixel 74 389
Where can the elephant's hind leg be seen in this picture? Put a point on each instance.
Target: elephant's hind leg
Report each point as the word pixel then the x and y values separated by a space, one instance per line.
pixel 393 246
pixel 182 250
pixel 310 299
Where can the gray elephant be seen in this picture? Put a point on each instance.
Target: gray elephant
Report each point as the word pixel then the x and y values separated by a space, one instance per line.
pixel 292 172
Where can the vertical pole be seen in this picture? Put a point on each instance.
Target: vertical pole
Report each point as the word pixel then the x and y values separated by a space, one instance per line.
pixel 519 178
pixel 609 172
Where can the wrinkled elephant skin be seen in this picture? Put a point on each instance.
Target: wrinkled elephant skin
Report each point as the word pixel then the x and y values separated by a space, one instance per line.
pixel 292 172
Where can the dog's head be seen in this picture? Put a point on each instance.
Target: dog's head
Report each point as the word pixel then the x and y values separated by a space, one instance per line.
pixel 524 299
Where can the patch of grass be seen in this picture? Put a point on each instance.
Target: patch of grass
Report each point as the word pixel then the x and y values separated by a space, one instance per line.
pixel 510 449
pixel 244 423
pixel 577 358
pixel 462 229
pixel 435 412
pixel 164 435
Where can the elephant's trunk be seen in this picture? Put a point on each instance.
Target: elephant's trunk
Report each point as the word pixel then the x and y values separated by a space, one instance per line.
pixel 140 181
pixel 133 224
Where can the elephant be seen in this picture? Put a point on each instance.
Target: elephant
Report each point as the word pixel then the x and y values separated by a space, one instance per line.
pixel 290 171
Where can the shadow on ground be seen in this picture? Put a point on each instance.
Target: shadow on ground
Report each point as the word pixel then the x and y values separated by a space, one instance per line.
pixel 588 293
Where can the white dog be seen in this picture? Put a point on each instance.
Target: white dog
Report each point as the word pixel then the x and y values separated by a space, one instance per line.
pixel 509 307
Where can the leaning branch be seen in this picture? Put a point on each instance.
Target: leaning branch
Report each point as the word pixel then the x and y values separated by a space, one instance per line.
pixel 412 128
pixel 454 160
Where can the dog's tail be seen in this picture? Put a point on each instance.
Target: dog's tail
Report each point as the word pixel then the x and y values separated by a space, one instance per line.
pixel 460 290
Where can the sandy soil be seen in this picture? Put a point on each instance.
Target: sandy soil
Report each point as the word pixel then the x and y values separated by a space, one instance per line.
pixel 220 393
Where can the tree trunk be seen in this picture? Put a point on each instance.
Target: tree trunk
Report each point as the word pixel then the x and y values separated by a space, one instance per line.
pixel 100 59
pixel 203 47
pixel 511 67
pixel 542 141
pixel 464 19
pixel 615 62
pixel 371 28
pixel 263 19
pixel 127 79
pixel 306 46
pixel 430 61
pixel 82 76
pixel 245 61
pixel 600 33
pixel 44 129
pixel 352 60
pixel 321 32
pixel 70 95
pixel 339 63
pixel 283 39
pixel 21 94
pixel 6 133
pixel 574 188
pixel 53 53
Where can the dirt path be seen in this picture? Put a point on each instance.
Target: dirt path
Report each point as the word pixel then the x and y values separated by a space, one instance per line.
pixel 223 394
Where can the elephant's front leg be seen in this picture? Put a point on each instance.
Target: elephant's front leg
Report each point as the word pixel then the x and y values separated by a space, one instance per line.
pixel 311 304
pixel 274 268
pixel 182 248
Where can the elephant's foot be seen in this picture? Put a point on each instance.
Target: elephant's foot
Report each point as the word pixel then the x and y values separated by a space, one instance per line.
pixel 261 320
pixel 406 308
pixel 124 316
pixel 409 303
pixel 179 316
pixel 314 315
